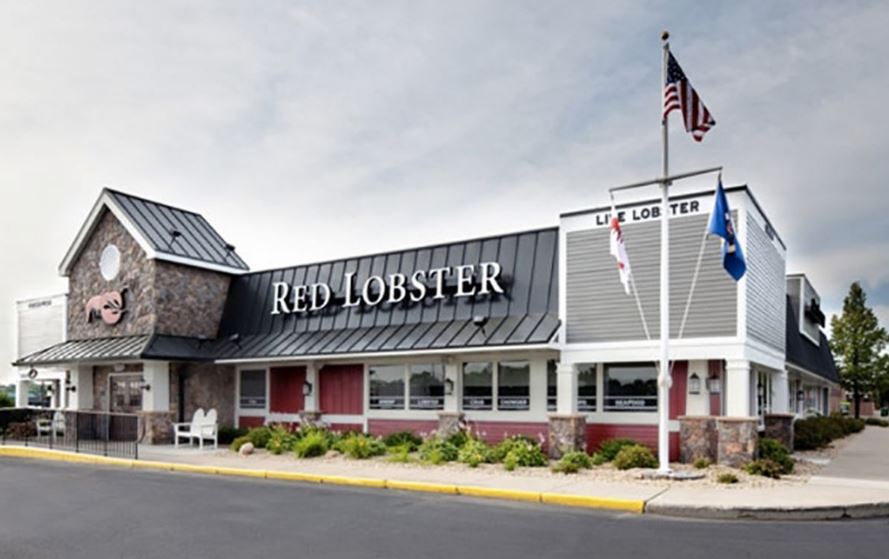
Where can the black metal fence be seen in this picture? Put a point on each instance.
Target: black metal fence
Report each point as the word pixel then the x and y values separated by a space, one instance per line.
pixel 91 432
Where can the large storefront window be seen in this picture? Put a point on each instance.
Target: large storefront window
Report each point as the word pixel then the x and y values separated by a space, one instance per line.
pixel 630 388
pixel 586 388
pixel 513 385
pixel 427 387
pixel 252 389
pixel 478 386
pixel 387 387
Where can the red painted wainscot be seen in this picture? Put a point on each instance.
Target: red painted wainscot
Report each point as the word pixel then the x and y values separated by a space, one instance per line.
pixel 383 427
pixel 249 422
pixel 645 434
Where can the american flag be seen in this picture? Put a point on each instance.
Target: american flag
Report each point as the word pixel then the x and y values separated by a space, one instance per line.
pixel 680 95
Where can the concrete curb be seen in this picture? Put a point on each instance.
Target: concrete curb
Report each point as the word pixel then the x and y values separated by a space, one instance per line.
pixel 858 511
pixel 583 501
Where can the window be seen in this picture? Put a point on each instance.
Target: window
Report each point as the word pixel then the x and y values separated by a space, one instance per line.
pixel 252 393
pixel 630 388
pixel 552 385
pixel 387 387
pixel 478 387
pixel 513 385
pixel 586 388
pixel 427 387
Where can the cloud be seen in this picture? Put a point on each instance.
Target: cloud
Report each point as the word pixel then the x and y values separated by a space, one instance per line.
pixel 308 131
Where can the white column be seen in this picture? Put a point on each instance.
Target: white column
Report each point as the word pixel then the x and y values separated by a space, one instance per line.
pixel 22 386
pixel 82 384
pixel 311 401
pixel 453 402
pixel 157 376
pixel 537 387
pixel 780 392
pixel 566 375
pixel 56 399
pixel 737 389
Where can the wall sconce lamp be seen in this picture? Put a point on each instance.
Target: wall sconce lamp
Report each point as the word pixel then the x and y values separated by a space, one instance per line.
pixel 307 388
pixel 71 388
pixel 714 385
pixel 235 339
pixel 800 395
pixel 480 322
pixel 145 386
pixel 449 387
pixel 694 384
pixel 32 374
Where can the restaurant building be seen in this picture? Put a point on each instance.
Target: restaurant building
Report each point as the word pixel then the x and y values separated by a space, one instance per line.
pixel 523 333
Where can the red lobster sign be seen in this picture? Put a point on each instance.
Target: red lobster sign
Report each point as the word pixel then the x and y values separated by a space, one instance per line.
pixel 110 307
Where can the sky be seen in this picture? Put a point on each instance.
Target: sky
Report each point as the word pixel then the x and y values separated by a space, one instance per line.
pixel 314 130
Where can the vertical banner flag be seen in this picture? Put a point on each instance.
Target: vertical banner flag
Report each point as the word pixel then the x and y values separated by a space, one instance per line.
pixel 680 95
pixel 721 225
pixel 619 250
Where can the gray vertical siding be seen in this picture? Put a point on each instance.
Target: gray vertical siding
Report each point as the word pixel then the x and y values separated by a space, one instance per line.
pixel 766 288
pixel 598 310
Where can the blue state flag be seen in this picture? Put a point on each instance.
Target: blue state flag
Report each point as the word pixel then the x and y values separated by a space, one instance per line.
pixel 721 225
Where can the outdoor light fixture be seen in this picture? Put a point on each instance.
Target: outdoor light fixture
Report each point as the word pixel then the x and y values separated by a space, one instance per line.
pixel 694 384
pixel 307 388
pixel 449 386
pixel 714 385
pixel 71 388
pixel 800 395
pixel 32 374
pixel 145 386
pixel 480 322
pixel 235 339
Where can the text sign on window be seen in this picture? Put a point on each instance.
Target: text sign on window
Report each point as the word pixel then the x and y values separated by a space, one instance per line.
pixel 470 403
pixel 509 403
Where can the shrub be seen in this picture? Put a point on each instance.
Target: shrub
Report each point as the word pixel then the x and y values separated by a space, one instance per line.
pixel 6 401
pixel 21 430
pixel 403 438
pixel 876 421
pixel 764 467
pixel 609 448
pixel 400 454
pixel 436 450
pixel 634 456
pixel 313 442
pixel 526 454
pixel 281 440
pixel 360 446
pixel 239 442
pixel 598 459
pixel 771 449
pixel 260 436
pixel 701 463
pixel 459 438
pixel 227 434
pixel 474 452
pixel 817 432
pixel 573 462
pixel 727 477
pixel 499 452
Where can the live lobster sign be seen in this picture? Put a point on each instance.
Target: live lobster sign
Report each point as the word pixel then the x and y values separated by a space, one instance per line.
pixel 108 307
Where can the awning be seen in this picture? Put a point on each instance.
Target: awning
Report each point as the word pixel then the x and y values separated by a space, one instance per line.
pixel 126 348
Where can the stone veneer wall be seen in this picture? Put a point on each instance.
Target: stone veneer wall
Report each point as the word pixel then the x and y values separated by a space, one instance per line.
pixel 137 274
pixel 189 301
pixel 207 386
pixel 730 441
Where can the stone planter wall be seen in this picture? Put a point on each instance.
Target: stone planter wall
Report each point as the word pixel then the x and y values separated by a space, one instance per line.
pixel 730 441
pixel 449 423
pixel 567 433
pixel 697 438
pixel 779 426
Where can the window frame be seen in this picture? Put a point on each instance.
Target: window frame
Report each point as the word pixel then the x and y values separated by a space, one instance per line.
pixel 263 407
pixel 406 374
pixel 495 385
pixel 608 408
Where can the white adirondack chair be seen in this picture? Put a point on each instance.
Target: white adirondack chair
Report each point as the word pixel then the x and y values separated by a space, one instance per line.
pixel 202 427
pixel 54 426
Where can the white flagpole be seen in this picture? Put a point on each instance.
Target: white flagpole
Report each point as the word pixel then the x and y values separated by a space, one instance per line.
pixel 664 380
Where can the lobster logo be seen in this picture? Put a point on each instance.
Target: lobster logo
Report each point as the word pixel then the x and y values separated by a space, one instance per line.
pixel 110 307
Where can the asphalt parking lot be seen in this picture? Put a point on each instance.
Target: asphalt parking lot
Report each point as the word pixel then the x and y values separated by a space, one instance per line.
pixel 74 511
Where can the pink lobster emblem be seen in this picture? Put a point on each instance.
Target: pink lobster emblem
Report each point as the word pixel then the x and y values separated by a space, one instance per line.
pixel 110 307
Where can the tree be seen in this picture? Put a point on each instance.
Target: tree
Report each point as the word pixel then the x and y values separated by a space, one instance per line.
pixel 858 341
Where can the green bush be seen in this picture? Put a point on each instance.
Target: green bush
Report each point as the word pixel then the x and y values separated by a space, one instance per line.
pixel 701 463
pixel 239 442
pixel 772 449
pixel 260 436
pixel 598 459
pixel 635 456
pixel 400 454
pixel 817 432
pixel 281 440
pixel 436 450
pixel 6 401
pixel 460 438
pixel 764 467
pixel 474 452
pixel 360 446
pixel 403 438
pixel 499 452
pixel 609 448
pixel 727 477
pixel 524 453
pixel 876 421
pixel 573 462
pixel 227 434
pixel 311 443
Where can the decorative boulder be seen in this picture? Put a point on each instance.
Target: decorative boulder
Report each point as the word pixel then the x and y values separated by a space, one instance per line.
pixel 246 449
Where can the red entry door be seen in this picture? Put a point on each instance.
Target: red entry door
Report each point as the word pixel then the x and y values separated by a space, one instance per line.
pixel 286 389
pixel 341 390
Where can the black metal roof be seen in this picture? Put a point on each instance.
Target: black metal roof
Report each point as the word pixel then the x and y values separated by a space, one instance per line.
pixel 801 352
pixel 158 347
pixel 527 313
pixel 177 232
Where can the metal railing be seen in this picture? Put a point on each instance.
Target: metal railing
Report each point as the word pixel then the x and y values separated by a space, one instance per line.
pixel 90 432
